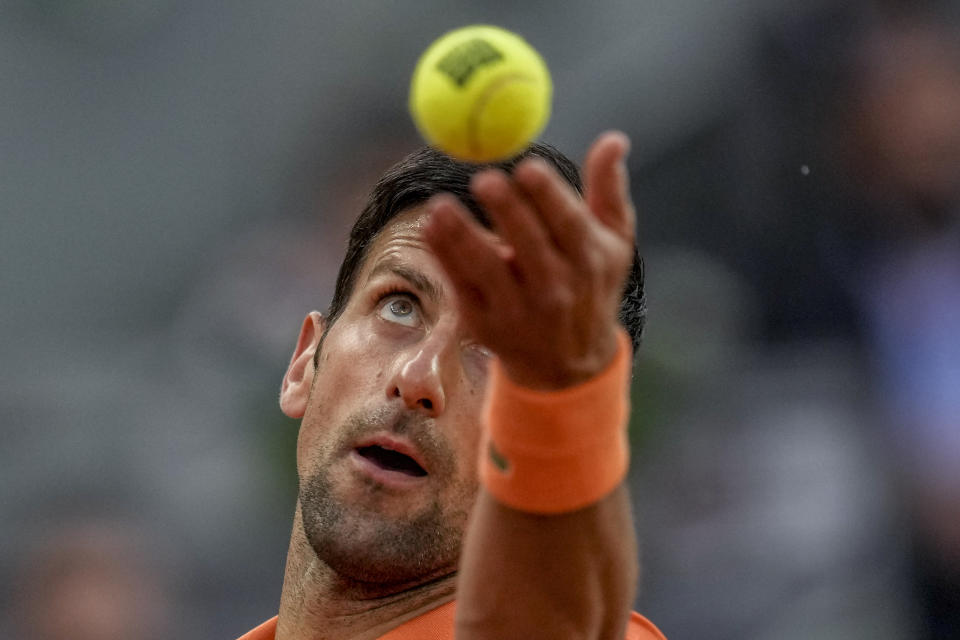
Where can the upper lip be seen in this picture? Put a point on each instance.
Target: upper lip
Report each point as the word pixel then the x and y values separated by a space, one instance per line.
pixel 393 443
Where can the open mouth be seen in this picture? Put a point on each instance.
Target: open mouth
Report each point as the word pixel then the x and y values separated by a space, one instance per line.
pixel 391 460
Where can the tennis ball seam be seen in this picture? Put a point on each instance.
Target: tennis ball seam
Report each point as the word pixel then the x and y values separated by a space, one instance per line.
pixel 473 140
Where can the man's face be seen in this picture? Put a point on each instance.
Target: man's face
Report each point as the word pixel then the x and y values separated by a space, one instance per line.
pixel 388 444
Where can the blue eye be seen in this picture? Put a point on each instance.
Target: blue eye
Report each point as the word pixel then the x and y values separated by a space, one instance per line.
pixel 401 310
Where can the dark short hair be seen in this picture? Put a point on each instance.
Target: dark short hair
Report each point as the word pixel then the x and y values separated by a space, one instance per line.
pixel 427 172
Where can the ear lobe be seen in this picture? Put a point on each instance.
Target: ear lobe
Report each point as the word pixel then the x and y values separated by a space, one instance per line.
pixel 295 390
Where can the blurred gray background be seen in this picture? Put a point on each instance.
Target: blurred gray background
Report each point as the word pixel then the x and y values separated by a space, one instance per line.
pixel 176 183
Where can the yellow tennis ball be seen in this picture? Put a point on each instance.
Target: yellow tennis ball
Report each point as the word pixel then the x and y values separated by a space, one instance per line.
pixel 480 93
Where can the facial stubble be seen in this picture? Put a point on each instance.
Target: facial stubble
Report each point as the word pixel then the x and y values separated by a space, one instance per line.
pixel 362 543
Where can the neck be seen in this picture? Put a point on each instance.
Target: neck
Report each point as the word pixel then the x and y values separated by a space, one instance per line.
pixel 318 604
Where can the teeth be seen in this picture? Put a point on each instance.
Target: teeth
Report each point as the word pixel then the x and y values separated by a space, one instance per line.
pixel 392 460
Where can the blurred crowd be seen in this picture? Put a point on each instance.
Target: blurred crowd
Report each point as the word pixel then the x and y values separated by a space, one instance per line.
pixel 177 182
pixel 833 193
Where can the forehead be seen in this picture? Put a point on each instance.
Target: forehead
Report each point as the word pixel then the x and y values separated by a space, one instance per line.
pixel 409 223
pixel 403 233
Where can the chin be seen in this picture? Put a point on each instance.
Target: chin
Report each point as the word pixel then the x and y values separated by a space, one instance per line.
pixel 369 546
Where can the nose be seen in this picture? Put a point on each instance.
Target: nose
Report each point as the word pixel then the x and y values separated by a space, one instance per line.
pixel 419 376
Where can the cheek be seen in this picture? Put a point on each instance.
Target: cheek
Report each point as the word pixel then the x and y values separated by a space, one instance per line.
pixel 350 375
pixel 310 442
pixel 351 363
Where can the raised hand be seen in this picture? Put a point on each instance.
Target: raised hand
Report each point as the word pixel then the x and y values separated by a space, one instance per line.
pixel 543 291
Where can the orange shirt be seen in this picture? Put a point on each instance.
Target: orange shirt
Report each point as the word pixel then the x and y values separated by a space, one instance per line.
pixel 438 625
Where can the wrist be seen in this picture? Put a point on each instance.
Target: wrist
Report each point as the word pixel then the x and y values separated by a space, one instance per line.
pixel 553 452
pixel 561 372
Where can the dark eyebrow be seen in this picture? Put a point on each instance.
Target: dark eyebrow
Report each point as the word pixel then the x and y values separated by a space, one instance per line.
pixel 430 287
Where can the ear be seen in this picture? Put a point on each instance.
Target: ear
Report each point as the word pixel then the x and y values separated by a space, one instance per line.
pixel 295 390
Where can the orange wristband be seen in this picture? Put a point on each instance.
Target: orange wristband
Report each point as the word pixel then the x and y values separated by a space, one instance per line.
pixel 557 451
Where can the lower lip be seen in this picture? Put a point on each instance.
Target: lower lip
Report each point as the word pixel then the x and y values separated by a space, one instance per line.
pixel 386 477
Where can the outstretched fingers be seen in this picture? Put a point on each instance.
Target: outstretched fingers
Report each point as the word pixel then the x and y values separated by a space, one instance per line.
pixel 473 258
pixel 517 223
pixel 559 207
